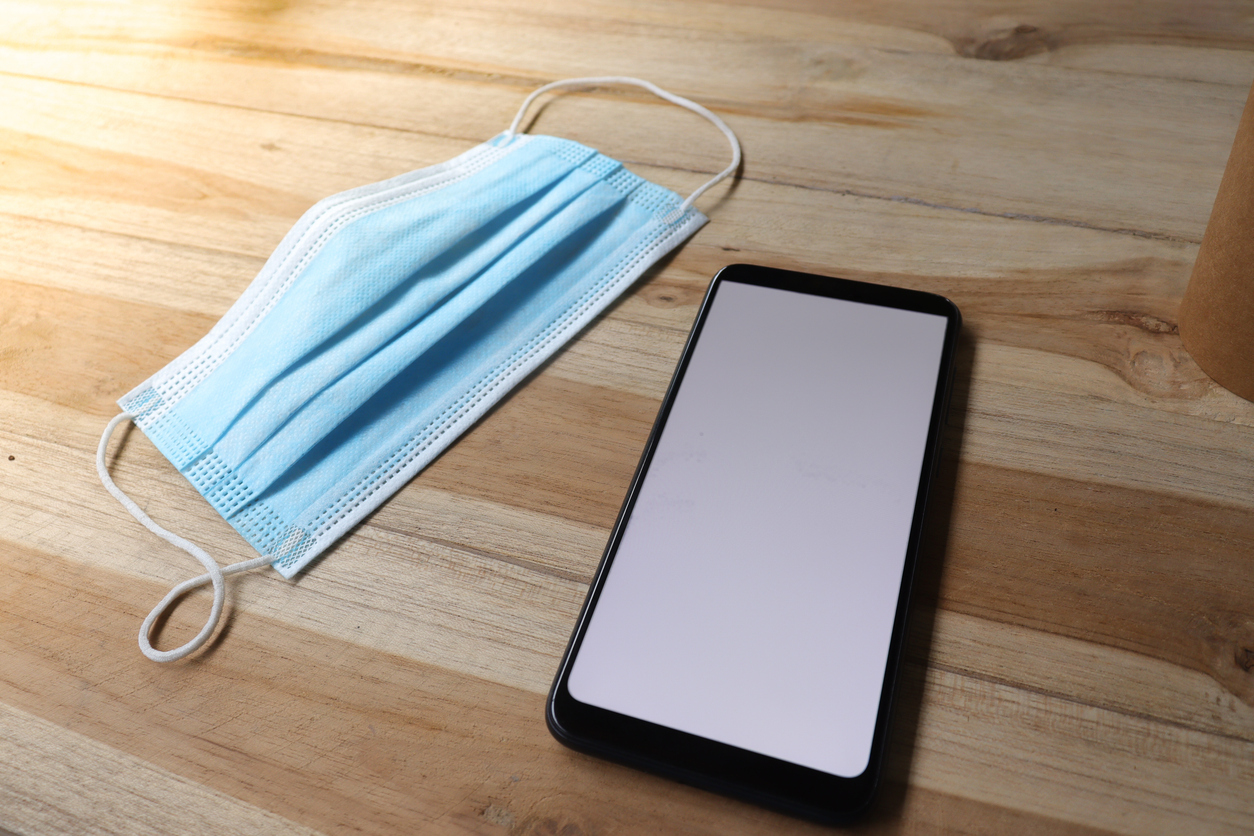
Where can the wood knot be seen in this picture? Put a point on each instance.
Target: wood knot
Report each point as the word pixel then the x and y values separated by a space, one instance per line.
pixel 671 295
pixel 1146 322
pixel 1007 44
pixel 1145 351
pixel 499 815
pixel 1228 639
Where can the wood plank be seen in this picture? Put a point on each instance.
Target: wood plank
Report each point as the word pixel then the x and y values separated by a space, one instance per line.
pixel 1061 759
pixel 173 276
pixel 1119 567
pixel 997 30
pixel 846 114
pixel 1086 672
pixel 357 727
pixel 828 229
pixel 95 349
pixel 67 779
pixel 1065 417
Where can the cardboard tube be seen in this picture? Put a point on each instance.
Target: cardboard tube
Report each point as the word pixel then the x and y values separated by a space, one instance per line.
pixel 1217 314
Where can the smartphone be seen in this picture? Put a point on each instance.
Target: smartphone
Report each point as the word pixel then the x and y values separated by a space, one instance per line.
pixel 744 628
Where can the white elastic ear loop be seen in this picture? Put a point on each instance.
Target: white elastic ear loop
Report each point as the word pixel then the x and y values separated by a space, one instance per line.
pixel 659 92
pixel 214 574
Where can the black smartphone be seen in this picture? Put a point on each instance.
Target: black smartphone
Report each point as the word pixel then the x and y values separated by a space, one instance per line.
pixel 744 628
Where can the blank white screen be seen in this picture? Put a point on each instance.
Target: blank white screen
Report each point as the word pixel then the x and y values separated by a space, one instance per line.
pixel 752 597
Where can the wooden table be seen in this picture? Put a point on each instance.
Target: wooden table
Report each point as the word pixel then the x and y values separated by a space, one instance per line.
pixel 1082 650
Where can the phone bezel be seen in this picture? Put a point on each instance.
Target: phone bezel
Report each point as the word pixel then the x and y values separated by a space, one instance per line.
pixel 721 767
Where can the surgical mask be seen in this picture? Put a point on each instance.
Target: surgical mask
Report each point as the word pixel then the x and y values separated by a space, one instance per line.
pixel 387 322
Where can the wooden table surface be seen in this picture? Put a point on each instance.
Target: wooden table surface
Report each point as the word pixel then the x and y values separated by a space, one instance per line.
pixel 1081 657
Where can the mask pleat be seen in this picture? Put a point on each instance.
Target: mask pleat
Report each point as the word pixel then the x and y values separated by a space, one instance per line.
pixel 578 220
pixel 367 260
pixel 390 325
pixel 425 396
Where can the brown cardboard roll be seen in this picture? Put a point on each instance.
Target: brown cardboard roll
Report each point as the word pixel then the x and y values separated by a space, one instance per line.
pixel 1217 314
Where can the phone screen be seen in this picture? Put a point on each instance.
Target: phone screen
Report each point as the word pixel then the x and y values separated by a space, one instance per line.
pixel 754 583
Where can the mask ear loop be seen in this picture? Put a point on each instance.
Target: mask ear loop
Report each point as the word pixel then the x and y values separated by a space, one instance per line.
pixel 213 575
pixel 660 93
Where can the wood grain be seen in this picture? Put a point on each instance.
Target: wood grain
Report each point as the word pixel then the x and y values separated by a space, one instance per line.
pixel 1081 659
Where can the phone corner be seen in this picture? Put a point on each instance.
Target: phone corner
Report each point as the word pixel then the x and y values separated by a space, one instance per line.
pixel 553 720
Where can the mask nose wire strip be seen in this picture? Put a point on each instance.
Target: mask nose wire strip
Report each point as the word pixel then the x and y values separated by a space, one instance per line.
pixel 214 574
pixel 659 92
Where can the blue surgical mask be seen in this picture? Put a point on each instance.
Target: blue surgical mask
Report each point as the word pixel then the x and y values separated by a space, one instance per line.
pixel 387 322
